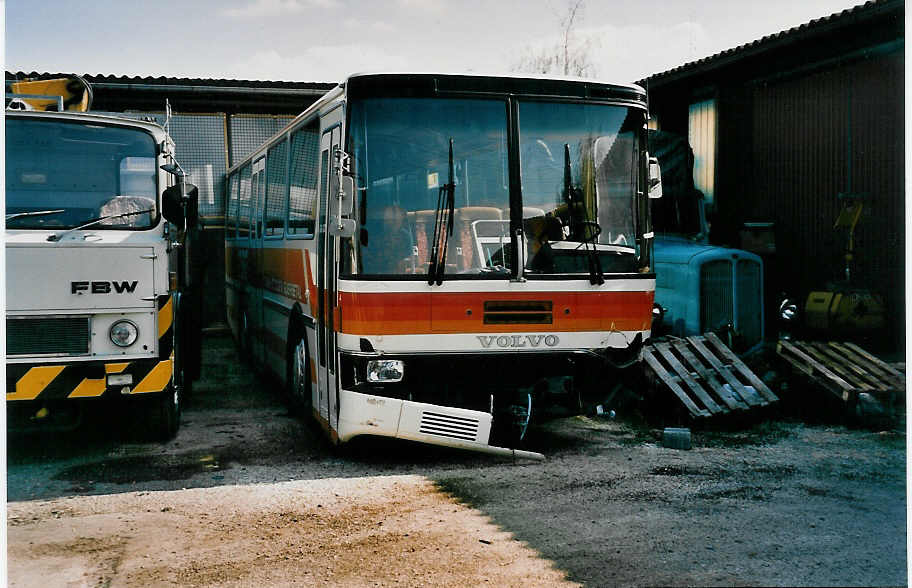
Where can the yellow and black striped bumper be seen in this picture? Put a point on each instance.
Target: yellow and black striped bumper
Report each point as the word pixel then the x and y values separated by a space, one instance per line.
pixel 89 379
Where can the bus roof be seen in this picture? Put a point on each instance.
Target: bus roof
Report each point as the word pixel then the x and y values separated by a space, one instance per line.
pixel 360 85
pixel 441 84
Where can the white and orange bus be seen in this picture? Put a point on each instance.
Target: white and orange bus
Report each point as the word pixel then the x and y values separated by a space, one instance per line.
pixel 436 257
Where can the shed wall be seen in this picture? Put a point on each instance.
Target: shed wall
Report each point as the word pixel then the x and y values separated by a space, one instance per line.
pixel 814 137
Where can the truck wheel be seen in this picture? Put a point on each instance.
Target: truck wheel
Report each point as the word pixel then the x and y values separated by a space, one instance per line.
pixel 165 414
pixel 298 382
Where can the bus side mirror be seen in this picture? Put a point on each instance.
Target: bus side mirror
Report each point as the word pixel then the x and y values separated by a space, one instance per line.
pixel 344 192
pixel 655 178
pixel 341 204
pixel 343 228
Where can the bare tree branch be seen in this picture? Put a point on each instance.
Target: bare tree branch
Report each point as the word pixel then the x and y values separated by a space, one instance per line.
pixel 569 56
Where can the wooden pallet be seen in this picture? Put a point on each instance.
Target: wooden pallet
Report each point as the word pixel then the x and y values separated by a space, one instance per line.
pixel 845 369
pixel 706 376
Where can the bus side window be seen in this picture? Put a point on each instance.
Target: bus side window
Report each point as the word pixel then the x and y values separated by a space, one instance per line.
pixel 231 213
pixel 244 203
pixel 302 195
pixel 277 182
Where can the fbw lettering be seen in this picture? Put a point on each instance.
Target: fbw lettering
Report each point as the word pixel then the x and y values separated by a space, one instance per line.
pixel 122 287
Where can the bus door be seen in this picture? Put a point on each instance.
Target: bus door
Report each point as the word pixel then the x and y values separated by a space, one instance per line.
pixel 327 253
pixel 255 258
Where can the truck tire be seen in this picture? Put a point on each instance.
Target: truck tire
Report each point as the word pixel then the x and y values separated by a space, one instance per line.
pixel 164 412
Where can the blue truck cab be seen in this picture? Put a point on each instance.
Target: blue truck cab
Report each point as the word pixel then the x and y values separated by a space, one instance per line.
pixel 700 287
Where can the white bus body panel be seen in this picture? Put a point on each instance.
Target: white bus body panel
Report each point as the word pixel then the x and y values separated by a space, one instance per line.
pixel 364 414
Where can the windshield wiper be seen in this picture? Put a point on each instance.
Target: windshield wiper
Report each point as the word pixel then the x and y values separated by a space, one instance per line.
pixel 56 237
pixel 571 194
pixel 595 262
pixel 568 187
pixel 443 225
pixel 15 215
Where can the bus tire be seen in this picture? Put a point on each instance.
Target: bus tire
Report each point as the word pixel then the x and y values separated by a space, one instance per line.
pixel 243 341
pixel 297 376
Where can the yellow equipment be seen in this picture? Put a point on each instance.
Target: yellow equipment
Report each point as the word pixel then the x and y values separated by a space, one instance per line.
pixel 852 310
pixel 843 308
pixel 42 94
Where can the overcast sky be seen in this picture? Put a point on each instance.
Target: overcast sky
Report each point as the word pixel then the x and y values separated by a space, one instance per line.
pixel 325 40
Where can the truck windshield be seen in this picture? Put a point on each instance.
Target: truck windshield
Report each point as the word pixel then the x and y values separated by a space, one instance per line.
pixel 65 174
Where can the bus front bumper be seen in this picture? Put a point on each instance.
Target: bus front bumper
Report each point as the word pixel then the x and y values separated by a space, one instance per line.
pixel 365 414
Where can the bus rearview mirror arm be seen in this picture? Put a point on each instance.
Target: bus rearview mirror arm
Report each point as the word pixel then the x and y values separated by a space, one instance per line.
pixel 655 178
pixel 342 187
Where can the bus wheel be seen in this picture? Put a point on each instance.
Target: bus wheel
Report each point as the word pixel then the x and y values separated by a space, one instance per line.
pixel 298 375
pixel 243 340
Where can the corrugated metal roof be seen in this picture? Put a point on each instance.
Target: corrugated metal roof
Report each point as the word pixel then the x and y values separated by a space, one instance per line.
pixel 172 81
pixel 848 17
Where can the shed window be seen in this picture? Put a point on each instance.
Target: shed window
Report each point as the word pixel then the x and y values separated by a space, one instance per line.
pixel 702 138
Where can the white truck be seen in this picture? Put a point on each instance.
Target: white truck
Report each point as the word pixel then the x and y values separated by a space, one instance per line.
pixel 101 303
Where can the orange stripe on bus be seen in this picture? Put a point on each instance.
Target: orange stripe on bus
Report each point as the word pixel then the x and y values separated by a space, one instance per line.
pixel 426 313
pixel 311 287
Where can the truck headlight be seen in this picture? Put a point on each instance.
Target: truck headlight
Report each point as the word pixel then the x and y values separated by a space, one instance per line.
pixel 658 314
pixel 385 370
pixel 124 333
pixel 788 310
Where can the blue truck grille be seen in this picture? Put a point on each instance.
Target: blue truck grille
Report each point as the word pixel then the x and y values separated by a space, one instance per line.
pixel 726 286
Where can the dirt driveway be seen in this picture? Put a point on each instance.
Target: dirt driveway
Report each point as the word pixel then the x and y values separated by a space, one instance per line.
pixel 248 494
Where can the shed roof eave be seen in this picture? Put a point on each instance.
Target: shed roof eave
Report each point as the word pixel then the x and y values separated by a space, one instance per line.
pixel 859 16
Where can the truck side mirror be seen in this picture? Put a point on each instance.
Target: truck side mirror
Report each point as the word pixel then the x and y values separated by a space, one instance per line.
pixel 172 205
pixel 191 194
pixel 655 178
pixel 174 200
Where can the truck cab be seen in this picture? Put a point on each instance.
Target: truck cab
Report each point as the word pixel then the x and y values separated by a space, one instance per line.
pixel 700 287
pixel 97 276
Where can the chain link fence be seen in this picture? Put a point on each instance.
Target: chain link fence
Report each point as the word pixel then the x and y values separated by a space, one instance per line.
pixel 203 144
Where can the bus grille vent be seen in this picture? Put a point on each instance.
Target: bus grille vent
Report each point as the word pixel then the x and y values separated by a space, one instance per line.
pixel 518 312
pixel 47 336
pixel 445 425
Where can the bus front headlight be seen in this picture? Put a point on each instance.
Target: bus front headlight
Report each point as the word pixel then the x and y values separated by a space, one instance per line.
pixel 385 370
pixel 124 333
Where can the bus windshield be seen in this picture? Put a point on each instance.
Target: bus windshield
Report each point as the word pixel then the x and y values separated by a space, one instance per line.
pixel 578 168
pixel 61 175
pixel 401 149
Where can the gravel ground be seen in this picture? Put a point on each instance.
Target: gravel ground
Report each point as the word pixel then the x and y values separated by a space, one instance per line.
pixel 231 501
